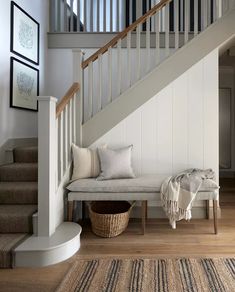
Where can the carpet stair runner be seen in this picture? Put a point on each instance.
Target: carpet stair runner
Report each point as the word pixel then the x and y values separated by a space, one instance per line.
pixel 18 201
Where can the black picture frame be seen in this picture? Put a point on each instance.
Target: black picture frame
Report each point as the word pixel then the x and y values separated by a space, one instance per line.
pixel 23 41
pixel 21 85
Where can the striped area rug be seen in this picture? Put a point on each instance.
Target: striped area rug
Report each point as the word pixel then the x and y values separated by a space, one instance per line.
pixel 147 275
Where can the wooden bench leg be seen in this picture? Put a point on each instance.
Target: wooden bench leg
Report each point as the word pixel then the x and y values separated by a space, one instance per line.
pixel 70 210
pixel 146 210
pixel 208 209
pixel 144 207
pixel 215 206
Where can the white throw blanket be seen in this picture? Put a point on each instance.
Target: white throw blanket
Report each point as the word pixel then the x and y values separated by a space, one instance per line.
pixel 178 193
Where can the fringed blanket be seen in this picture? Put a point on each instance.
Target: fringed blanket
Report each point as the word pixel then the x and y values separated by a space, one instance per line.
pixel 178 193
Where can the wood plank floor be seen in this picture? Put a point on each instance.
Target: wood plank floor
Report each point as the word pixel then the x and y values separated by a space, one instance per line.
pixel 193 239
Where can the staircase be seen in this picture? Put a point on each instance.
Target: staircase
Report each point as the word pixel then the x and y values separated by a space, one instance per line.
pixel 18 201
pixel 108 86
pixel 137 63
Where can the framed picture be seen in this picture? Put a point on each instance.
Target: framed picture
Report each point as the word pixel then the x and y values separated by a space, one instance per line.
pixel 24 85
pixel 24 34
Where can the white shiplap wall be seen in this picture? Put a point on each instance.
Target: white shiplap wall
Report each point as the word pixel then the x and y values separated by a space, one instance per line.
pixel 177 128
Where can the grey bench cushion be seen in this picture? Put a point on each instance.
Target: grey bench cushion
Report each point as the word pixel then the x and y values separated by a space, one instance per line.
pixel 143 184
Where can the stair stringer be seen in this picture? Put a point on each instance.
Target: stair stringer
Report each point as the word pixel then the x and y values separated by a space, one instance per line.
pixel 175 65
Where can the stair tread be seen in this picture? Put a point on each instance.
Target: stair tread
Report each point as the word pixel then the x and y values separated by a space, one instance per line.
pixel 19 172
pixel 18 185
pixel 26 154
pixel 8 242
pixel 13 210
pixel 19 165
pixel 18 192
pixel 16 218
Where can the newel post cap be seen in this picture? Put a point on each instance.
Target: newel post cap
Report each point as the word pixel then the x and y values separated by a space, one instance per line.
pixel 47 98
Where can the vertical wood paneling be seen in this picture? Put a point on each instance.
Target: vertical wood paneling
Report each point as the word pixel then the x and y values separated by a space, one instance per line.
pixel 211 139
pixel 195 116
pixel 134 138
pixel 164 131
pixel 177 128
pixel 180 123
pixel 149 142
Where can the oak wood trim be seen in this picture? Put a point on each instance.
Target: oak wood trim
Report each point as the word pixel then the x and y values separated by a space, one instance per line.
pixel 124 33
pixel 143 217
pixel 65 100
pixel 215 215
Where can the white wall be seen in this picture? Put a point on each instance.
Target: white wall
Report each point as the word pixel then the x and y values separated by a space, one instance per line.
pixel 178 128
pixel 15 123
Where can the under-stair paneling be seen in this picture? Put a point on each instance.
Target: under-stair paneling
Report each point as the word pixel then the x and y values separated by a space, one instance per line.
pixel 211 111
pixel 164 125
pixel 195 117
pixel 177 128
pixel 148 142
pixel 134 137
pixel 180 123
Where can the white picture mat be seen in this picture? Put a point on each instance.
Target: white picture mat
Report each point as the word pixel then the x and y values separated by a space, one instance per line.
pixel 21 98
pixel 29 51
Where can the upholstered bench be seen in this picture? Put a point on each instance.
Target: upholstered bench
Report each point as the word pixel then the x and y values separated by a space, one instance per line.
pixel 144 189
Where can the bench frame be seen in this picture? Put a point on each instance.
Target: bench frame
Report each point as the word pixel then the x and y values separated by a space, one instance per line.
pixel 74 196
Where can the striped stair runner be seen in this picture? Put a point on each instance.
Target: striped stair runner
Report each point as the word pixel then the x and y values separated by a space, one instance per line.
pixel 18 201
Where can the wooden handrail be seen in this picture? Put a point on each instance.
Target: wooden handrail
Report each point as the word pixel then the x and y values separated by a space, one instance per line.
pixel 65 100
pixel 124 33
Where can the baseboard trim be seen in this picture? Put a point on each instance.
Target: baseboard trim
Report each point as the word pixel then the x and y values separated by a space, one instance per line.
pixel 44 251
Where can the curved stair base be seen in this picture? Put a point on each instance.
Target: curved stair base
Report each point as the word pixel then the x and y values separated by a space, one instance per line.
pixel 44 251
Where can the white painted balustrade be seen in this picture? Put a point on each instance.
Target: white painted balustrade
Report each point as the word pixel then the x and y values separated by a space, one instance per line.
pixel 139 48
pixel 59 125
pixel 116 15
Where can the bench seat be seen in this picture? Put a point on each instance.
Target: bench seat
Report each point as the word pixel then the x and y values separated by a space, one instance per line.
pixel 144 188
pixel 142 184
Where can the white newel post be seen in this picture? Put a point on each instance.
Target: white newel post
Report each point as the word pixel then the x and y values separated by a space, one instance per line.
pixel 78 57
pixel 47 163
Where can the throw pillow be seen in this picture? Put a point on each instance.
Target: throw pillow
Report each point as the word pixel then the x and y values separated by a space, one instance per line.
pixel 85 162
pixel 115 163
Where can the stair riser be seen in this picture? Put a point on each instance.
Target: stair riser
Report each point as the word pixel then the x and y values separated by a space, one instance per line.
pixel 11 198
pixel 21 174
pixel 15 225
pixel 25 156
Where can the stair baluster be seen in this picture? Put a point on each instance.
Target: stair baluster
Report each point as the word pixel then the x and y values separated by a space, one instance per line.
pixel 167 34
pixel 195 17
pixel 186 20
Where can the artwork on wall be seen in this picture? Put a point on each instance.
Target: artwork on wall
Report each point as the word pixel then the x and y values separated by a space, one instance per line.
pixel 24 85
pixel 24 34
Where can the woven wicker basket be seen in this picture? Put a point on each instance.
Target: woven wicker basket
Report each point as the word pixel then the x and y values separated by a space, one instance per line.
pixel 109 218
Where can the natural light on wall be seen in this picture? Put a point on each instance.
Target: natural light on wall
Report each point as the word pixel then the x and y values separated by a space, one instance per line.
pixel 92 11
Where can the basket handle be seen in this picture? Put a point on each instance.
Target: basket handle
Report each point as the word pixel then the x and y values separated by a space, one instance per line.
pixel 132 205
pixel 88 205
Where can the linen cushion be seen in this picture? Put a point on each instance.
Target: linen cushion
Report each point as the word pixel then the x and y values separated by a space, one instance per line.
pixel 115 164
pixel 85 162
pixel 147 184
